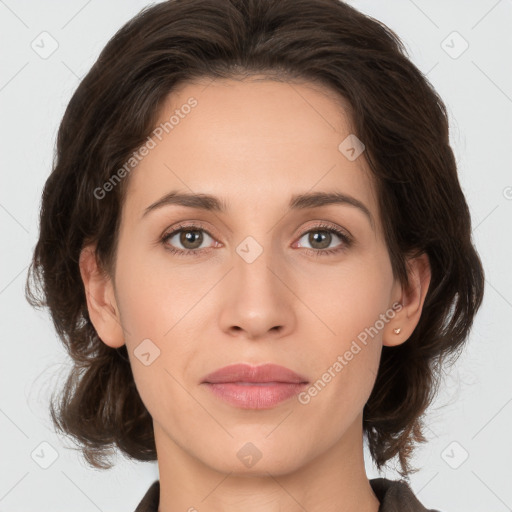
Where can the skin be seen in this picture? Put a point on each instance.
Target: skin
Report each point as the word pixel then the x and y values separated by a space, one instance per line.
pixel 254 143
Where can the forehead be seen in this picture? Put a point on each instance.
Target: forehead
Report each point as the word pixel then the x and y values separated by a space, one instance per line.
pixel 254 142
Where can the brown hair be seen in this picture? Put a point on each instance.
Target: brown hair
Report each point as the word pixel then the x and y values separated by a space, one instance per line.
pixel 395 112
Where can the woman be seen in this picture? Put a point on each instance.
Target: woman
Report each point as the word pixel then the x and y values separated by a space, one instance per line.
pixel 255 246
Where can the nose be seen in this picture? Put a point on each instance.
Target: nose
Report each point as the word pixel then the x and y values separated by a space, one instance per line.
pixel 258 299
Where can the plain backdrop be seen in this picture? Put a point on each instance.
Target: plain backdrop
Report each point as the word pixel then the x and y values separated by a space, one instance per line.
pixel 463 47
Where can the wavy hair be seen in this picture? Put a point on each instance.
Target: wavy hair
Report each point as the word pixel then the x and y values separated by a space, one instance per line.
pixel 394 110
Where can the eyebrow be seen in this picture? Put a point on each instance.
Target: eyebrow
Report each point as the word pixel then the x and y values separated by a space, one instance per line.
pixel 297 202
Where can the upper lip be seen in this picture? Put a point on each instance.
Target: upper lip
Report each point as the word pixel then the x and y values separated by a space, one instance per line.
pixel 243 372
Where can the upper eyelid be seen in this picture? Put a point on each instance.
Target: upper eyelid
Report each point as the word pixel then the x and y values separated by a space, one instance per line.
pixel 191 227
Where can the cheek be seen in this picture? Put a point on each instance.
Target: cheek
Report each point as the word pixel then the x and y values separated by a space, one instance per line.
pixel 156 308
pixel 348 337
pixel 348 298
pixel 153 295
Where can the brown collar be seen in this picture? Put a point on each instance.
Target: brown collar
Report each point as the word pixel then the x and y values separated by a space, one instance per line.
pixel 394 496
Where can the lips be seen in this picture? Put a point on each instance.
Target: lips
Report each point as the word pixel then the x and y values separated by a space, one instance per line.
pixel 254 387
pixel 256 374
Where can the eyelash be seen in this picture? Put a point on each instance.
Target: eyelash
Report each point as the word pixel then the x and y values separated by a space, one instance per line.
pixel 346 239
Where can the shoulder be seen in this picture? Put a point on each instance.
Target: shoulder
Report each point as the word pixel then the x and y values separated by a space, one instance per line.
pixel 150 500
pixel 396 496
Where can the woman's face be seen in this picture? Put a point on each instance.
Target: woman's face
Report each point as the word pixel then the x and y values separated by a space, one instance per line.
pixel 263 279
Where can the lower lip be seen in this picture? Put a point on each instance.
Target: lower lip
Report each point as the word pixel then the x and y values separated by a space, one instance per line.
pixel 255 395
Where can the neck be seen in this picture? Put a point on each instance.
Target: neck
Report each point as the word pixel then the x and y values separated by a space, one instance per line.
pixel 334 481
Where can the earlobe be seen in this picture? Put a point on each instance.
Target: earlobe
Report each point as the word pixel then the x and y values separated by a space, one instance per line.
pixel 412 298
pixel 101 302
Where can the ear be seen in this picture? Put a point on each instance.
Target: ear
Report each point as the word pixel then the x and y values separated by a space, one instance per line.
pixel 411 299
pixel 101 301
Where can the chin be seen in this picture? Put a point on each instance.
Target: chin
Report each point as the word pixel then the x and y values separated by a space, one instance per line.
pixel 256 456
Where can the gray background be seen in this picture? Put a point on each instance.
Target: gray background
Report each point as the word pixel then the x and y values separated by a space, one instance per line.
pixel 472 415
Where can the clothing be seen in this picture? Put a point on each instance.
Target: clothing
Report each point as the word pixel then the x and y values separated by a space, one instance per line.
pixel 394 496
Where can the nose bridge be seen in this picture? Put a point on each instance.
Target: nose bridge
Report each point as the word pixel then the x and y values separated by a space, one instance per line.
pixel 256 298
pixel 257 256
pixel 254 259
pixel 253 250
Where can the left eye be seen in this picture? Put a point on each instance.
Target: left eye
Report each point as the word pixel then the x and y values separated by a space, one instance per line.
pixel 322 237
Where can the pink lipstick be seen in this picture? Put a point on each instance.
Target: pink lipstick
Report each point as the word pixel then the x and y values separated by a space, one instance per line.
pixel 255 387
